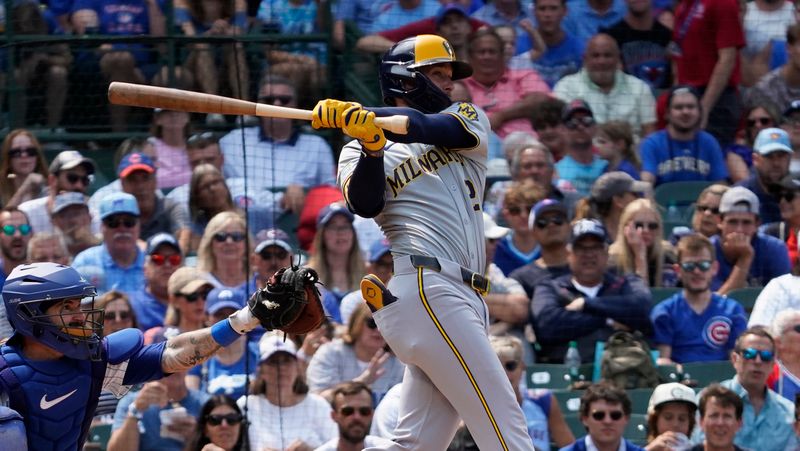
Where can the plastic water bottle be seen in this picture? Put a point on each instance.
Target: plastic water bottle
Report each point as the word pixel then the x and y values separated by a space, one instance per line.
pixel 573 360
pixel 673 213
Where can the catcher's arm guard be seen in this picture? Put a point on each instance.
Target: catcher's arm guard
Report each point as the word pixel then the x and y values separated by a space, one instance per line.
pixel 290 302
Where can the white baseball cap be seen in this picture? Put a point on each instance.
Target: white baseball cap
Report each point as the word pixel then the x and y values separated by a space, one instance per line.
pixel 273 343
pixel 671 392
pixel 491 230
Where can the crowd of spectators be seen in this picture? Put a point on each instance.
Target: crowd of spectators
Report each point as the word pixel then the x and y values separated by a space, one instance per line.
pixel 593 106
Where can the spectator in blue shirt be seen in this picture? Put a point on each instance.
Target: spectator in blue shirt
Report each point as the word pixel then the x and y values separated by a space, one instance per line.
pixel 119 256
pixel 747 258
pixel 150 301
pixel 585 18
pixel 772 153
pixel 696 325
pixel 581 166
pixel 768 418
pixel 682 151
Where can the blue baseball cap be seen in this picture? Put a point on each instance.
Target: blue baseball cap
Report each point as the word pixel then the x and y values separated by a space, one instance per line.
pixel 220 298
pixel 329 211
pixel 378 249
pixel 772 140
pixel 448 8
pixel 162 238
pixel 68 199
pixel 273 237
pixel 545 206
pixel 135 162
pixel 116 203
pixel 588 227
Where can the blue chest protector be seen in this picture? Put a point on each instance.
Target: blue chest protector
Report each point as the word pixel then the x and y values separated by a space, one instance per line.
pixel 58 398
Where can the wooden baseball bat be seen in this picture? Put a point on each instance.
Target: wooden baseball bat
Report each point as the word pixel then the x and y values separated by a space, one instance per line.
pixel 132 94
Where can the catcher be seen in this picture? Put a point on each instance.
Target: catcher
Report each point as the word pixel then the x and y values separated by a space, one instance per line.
pixel 57 361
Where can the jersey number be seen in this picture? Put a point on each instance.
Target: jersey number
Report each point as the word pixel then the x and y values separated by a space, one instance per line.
pixel 473 194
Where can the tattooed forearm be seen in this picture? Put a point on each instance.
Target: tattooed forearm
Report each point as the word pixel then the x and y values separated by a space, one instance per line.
pixel 187 350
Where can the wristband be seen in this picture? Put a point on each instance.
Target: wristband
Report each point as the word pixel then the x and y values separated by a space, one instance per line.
pixel 223 333
pixel 133 412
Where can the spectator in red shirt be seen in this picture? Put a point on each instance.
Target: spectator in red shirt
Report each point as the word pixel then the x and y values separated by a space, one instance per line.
pixel 705 45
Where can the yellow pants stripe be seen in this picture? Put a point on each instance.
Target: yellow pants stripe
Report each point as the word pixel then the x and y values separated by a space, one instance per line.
pixel 459 357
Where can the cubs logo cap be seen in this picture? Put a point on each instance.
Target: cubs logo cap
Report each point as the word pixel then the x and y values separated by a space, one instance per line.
pixel 739 200
pixel 772 140
pixel 671 392
pixel 575 106
pixel 135 162
pixel 272 237
pixel 220 298
pixel 116 203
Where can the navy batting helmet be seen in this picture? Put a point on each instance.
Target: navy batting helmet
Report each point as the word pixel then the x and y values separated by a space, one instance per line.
pixel 400 78
pixel 32 289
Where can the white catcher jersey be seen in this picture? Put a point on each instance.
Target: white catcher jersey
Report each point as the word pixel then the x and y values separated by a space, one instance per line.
pixel 433 194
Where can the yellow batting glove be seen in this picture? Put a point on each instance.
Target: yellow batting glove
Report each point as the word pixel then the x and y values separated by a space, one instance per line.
pixel 360 124
pixel 328 113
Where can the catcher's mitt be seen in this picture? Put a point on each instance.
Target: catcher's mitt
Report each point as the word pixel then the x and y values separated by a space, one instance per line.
pixel 290 302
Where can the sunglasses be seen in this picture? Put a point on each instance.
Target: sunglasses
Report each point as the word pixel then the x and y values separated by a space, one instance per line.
pixel 370 323
pixel 117 316
pixel 221 237
pixel 159 260
pixel 760 121
pixel 515 210
pixel 705 208
pixel 86 180
pixel 600 415
pixel 22 151
pixel 10 230
pixel 196 295
pixel 788 196
pixel 586 121
pixel 363 411
pixel 272 99
pixel 114 222
pixel 750 354
pixel 230 418
pixel 649 225
pixel 703 265
pixel 511 365
pixel 544 222
pixel 278 255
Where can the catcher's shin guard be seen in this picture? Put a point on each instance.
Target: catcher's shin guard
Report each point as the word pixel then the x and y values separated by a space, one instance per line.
pixel 375 293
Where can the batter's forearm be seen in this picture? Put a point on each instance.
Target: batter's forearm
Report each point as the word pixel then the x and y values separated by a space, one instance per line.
pixel 366 188
pixel 438 129
pixel 187 350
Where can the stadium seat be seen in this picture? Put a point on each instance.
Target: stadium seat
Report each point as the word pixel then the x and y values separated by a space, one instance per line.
pixel 640 397
pixel 575 425
pixel 746 296
pixel 568 400
pixel 669 373
pixel 636 430
pixel 681 195
pixel 662 293
pixel 706 373
pixel 555 376
pixel 99 436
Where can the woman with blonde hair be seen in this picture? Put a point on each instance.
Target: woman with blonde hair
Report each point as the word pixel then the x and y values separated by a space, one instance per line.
pixel 639 248
pixel 23 168
pixel 224 250
pixel 336 257
pixel 359 355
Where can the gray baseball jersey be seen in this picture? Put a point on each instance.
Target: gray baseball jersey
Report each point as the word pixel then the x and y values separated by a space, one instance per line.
pixel 438 324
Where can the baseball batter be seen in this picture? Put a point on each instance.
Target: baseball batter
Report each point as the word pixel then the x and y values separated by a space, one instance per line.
pixel 425 190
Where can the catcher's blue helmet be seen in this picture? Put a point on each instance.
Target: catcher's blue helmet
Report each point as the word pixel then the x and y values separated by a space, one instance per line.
pixel 30 290
pixel 400 78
